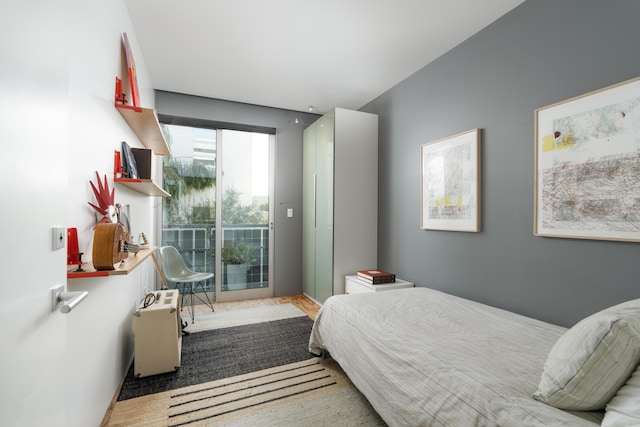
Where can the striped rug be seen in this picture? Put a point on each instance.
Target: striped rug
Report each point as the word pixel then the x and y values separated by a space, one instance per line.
pixel 313 392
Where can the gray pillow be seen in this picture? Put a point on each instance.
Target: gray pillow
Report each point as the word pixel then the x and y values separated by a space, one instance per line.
pixel 592 360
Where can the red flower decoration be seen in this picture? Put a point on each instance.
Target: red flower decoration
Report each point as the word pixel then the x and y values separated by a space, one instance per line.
pixel 105 198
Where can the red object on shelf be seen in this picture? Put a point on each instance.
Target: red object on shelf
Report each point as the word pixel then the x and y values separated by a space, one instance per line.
pixel 121 97
pixel 73 257
pixel 104 197
pixel 117 165
pixel 129 107
pixel 78 275
pixel 117 169
pixel 131 68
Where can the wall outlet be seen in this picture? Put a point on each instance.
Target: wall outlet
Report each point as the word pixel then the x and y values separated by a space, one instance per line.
pixel 58 238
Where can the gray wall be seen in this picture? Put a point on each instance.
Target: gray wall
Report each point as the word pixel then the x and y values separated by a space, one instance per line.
pixel 542 52
pixel 288 176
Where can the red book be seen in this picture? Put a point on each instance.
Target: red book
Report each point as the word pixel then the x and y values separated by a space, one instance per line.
pixel 376 276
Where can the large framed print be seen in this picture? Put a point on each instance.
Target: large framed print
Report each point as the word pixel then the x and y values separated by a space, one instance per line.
pixel 587 165
pixel 450 183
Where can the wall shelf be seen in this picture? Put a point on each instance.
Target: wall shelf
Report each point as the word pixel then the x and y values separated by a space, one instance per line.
pixel 144 123
pixel 144 186
pixel 124 267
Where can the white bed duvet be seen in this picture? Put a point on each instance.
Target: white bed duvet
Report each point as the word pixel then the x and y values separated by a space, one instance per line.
pixel 426 358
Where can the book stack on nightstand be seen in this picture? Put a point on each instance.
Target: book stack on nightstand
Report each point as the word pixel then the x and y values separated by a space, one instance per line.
pixel 383 281
pixel 376 277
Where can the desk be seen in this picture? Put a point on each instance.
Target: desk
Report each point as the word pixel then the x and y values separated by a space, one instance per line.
pixel 124 267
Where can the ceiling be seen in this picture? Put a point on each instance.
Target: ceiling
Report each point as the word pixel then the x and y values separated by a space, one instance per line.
pixel 293 54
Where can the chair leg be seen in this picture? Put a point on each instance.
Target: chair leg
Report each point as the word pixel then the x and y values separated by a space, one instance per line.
pixel 208 302
pixel 191 311
pixel 187 293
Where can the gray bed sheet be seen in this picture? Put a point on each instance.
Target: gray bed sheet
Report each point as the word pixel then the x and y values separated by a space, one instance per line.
pixel 426 358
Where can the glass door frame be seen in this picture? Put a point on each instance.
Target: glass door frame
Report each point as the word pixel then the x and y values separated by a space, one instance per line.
pixel 218 295
pixel 237 295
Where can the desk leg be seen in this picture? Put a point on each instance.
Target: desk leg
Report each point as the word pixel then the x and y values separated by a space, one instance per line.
pixel 155 262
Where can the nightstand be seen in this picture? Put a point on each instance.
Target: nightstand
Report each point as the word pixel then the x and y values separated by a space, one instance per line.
pixel 353 285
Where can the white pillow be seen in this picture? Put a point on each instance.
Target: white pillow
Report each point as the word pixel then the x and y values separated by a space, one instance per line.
pixel 624 408
pixel 592 360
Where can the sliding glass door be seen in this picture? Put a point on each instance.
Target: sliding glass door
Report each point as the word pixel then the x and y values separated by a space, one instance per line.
pixel 219 212
pixel 244 212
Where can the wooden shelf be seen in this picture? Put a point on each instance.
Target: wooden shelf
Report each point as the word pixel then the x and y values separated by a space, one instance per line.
pixel 144 123
pixel 122 268
pixel 144 186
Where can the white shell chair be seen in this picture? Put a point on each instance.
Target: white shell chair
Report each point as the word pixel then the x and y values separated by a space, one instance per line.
pixel 175 270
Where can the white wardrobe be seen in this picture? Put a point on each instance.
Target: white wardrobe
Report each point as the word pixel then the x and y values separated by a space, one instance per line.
pixel 340 200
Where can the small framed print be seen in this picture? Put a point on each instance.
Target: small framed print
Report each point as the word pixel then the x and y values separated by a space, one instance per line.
pixel 450 183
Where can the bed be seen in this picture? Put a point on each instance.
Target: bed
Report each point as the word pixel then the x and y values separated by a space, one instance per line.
pixel 426 358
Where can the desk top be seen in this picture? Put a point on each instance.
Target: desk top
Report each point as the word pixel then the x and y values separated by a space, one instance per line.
pixel 124 267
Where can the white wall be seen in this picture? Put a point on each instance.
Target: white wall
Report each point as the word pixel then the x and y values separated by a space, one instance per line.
pixel 59 62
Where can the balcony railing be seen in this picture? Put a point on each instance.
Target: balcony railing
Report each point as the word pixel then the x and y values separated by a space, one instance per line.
pixel 197 243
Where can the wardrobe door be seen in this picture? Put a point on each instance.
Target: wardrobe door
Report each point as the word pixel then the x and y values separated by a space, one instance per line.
pixel 324 207
pixel 308 211
pixel 355 198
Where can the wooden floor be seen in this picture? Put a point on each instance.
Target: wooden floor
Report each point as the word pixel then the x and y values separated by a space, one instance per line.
pixel 303 303
pixel 309 307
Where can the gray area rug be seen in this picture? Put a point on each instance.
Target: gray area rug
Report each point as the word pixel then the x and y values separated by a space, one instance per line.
pixel 223 353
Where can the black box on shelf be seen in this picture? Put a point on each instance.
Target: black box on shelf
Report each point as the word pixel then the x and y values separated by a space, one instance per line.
pixel 143 162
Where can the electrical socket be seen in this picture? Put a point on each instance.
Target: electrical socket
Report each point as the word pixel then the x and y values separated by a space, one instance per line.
pixel 57 238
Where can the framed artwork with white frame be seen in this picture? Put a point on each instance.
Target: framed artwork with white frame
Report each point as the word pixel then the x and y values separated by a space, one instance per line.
pixel 587 165
pixel 450 183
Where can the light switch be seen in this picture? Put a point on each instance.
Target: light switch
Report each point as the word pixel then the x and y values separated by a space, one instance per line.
pixel 290 213
pixel 58 238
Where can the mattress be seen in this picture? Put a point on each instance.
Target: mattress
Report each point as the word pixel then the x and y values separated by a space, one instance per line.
pixel 426 358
